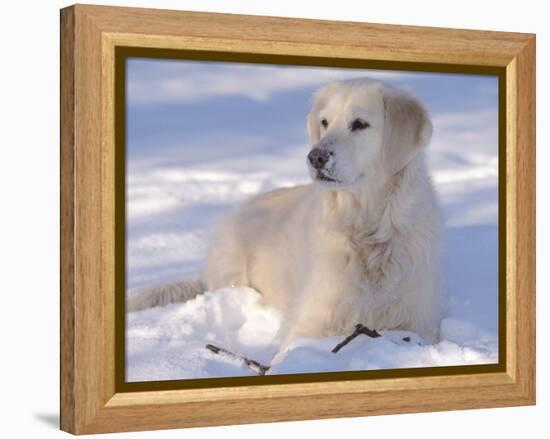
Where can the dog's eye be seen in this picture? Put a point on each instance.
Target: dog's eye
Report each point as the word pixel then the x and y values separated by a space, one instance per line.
pixel 324 122
pixel 359 124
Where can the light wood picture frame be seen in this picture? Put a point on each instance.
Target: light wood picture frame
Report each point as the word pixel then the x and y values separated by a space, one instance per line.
pixel 94 398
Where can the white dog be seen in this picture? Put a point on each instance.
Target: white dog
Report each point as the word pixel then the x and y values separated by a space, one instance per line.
pixel 358 245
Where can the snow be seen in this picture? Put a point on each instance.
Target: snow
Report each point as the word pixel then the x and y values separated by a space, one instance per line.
pixel 232 318
pixel 168 343
pixel 176 192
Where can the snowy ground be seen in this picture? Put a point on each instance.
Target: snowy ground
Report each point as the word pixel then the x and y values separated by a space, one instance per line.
pixel 175 197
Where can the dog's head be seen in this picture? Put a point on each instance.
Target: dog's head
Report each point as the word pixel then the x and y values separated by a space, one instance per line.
pixel 362 130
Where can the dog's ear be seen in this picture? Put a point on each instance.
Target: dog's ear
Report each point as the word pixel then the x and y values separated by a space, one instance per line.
pixel 407 129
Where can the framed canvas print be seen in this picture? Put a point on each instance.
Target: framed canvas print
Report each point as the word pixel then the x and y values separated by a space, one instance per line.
pixel 269 219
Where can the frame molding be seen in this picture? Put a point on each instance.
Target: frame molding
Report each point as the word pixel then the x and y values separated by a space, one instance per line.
pixel 89 36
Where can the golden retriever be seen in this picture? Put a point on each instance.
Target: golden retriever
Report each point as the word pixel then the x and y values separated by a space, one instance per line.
pixel 360 244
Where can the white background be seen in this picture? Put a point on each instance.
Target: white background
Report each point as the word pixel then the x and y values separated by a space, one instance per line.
pixel 29 232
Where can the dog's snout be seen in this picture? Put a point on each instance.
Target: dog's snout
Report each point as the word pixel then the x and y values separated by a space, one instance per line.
pixel 318 157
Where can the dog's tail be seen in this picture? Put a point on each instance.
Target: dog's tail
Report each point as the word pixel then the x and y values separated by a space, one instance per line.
pixel 163 294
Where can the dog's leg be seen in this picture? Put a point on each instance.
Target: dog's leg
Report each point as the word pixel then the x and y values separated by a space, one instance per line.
pixel 159 295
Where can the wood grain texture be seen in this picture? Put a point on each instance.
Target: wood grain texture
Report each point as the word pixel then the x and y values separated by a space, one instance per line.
pixel 89 35
pixel 90 328
pixel 361 40
pixel 108 215
pixel 525 220
pixel 511 214
pixel 67 253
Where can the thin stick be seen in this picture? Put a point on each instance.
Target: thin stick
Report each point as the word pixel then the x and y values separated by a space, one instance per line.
pixel 359 329
pixel 260 369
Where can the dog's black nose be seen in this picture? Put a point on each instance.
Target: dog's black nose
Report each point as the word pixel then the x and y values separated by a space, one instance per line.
pixel 318 157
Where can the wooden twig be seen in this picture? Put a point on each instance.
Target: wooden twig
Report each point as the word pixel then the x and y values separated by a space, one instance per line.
pixel 359 329
pixel 260 369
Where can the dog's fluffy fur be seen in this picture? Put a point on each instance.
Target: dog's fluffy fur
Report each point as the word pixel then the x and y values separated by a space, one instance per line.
pixel 358 244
